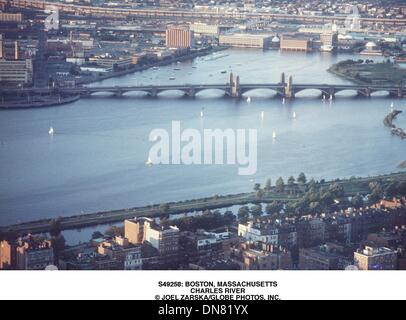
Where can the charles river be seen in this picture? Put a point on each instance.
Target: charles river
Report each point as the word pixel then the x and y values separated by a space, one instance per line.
pixel 96 159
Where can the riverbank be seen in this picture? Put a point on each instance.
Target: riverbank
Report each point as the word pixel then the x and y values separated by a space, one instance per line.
pixel 365 73
pixel 44 103
pixel 53 101
pixel 163 63
pixel 388 122
pixel 351 187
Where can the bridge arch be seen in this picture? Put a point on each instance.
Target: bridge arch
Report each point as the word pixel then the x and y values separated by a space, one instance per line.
pixel 210 92
pixel 271 92
pixel 380 92
pixel 346 92
pixel 310 92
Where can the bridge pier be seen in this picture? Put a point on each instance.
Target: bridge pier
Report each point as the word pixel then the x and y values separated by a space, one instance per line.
pixel 365 93
pixel 191 93
pixel 289 90
pixel 153 93
pixel 235 88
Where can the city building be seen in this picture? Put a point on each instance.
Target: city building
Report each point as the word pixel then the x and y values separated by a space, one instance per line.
pixel 257 256
pixel 165 239
pixel 259 232
pixel 120 249
pixel 8 255
pixel 329 41
pixel 179 37
pixel 246 40
pixel 325 257
pixel 205 29
pixel 34 254
pixel 11 17
pixel 16 72
pixel 311 232
pixel 296 42
pixel 379 258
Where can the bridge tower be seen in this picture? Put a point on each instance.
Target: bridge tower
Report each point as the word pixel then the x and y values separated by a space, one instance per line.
pixel 289 92
pixel 283 78
pixel 235 89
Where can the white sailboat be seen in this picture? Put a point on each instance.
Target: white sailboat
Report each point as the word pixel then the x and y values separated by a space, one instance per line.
pixel 249 100
pixel 392 107
pixel 51 131
pixel 274 135
pixel 331 97
pixel 283 101
pixel 294 115
pixel 262 115
pixel 149 162
pixel 201 114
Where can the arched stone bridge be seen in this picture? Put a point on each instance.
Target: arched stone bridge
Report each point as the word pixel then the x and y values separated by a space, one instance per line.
pixel 285 89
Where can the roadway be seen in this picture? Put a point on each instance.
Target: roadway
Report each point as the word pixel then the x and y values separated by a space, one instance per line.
pixel 190 14
pixel 352 187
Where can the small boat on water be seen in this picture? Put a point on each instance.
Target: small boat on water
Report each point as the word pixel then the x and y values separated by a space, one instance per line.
pixel 283 101
pixel 172 78
pixel 294 115
pixel 51 131
pixel 149 162
pixel 249 100
pixel 202 114
pixel 262 115
pixel 224 71
pixel 274 135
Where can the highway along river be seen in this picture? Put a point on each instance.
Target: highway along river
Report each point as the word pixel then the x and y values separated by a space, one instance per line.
pixel 96 158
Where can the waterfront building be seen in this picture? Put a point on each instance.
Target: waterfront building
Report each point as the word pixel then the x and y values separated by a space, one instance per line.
pixel 296 42
pixel 379 258
pixel 179 37
pixel 329 41
pixel 371 49
pixel 205 29
pixel 16 72
pixel 245 40
pixel 114 63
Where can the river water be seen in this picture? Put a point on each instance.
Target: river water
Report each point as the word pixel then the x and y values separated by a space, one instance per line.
pixel 96 159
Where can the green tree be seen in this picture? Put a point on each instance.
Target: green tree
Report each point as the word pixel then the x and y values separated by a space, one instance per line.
pixel 256 211
pixel 55 227
pixel 115 231
pixel 291 181
pixel 280 185
pixel 260 194
pixel 302 179
pixel 164 208
pixel 357 201
pixel 243 214
pixel 268 185
pixel 257 187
